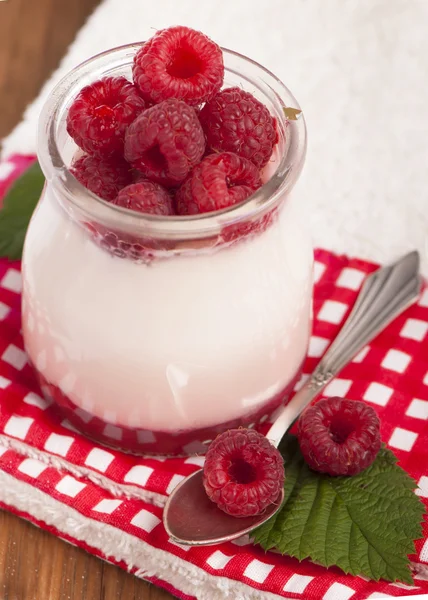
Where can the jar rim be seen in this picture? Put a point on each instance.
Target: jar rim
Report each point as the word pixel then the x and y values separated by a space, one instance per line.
pixel 57 173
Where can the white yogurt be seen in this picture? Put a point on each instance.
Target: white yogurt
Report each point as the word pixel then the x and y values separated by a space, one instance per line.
pixel 182 343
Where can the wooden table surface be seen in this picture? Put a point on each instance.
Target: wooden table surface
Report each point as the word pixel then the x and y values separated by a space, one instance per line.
pixel 35 565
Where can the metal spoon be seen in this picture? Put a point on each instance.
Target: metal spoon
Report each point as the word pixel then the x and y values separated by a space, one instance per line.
pixel 189 517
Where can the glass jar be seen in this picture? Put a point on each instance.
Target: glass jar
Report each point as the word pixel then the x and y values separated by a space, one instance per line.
pixel 154 334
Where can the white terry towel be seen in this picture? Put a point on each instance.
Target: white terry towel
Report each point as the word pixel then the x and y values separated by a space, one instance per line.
pixel 359 70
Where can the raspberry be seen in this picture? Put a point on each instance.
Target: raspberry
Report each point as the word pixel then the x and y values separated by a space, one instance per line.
pixel 219 181
pixel 165 142
pixel 146 197
pixel 100 114
pixel 243 472
pixel 103 176
pixel 179 62
pixel 339 436
pixel 235 121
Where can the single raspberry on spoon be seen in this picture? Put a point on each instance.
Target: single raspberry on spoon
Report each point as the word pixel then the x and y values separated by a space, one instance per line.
pixel 339 436
pixel 105 177
pixel 165 142
pixel 101 113
pixel 235 121
pixel 179 62
pixel 219 181
pixel 243 472
pixel 146 197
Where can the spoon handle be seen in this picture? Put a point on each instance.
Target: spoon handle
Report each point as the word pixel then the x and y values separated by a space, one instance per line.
pixel 386 293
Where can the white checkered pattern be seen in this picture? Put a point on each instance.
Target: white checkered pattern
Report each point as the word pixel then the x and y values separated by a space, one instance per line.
pixel 139 474
pixel 4 383
pixel 4 311
pixel 145 520
pixel 338 387
pixel 414 329
pixel 258 571
pixel 297 584
pixel 319 270
pixel 361 355
pixel 338 591
pixel 18 427
pixel 35 400
pixel 378 393
pixel 350 278
pixel 395 360
pixel 69 486
pixel 244 540
pixel 424 552
pixel 32 467
pixel 175 480
pixel 181 546
pixel 15 356
pixel 402 439
pixel 107 506
pixel 58 444
pixel 422 489
pixel 12 281
pixel 99 459
pixel 332 311
pixel 317 346
pixel 218 560
pixel 195 460
pixel 418 409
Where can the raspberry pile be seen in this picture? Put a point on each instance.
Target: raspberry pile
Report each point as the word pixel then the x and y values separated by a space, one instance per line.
pixel 171 142
pixel 243 472
pixel 338 436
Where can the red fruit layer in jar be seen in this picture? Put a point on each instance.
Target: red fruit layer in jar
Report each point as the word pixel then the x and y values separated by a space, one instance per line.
pixel 169 443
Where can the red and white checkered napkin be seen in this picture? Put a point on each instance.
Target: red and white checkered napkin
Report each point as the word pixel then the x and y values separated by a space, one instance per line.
pixel 111 504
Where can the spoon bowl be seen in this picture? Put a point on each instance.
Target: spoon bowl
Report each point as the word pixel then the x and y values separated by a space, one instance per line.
pixel 194 520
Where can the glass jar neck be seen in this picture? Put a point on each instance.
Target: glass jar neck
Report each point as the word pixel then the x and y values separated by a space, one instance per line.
pixel 56 151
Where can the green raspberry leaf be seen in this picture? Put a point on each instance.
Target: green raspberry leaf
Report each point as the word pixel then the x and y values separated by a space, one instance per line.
pixel 365 524
pixel 18 207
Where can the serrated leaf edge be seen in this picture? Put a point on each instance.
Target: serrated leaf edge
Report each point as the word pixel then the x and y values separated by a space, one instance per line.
pixel 409 486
